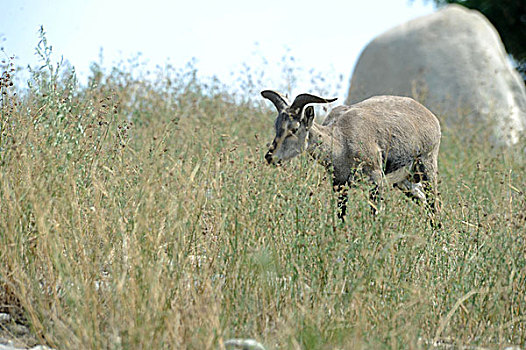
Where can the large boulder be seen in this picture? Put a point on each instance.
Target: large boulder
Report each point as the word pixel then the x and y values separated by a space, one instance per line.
pixel 452 61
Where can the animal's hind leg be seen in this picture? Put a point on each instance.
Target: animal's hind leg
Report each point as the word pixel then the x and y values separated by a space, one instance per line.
pixel 426 170
pixel 375 194
pixel 412 190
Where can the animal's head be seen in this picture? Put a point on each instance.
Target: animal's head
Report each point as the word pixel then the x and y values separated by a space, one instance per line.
pixel 292 124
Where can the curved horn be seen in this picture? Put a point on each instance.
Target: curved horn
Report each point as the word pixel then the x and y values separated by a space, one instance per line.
pixel 280 101
pixel 304 99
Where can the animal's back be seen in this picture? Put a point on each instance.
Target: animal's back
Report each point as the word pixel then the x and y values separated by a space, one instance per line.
pixel 399 127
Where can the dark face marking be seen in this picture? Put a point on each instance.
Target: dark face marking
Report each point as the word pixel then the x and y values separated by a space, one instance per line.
pixel 291 128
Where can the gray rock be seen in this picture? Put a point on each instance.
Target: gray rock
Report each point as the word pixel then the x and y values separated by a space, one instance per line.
pixel 243 344
pixel 10 347
pixel 453 62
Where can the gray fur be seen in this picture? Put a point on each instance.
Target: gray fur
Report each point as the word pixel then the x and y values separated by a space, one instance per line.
pixel 389 140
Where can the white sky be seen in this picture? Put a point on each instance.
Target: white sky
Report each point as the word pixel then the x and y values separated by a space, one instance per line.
pixel 221 35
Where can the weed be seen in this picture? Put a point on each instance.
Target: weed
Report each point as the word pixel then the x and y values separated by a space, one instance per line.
pixel 139 213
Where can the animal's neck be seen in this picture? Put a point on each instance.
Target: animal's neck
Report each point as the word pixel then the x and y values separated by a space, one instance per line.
pixel 322 143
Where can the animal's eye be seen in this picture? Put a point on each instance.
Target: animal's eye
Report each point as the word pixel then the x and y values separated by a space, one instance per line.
pixel 294 128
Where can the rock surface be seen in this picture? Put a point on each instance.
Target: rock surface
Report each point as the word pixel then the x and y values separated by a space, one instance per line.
pixel 453 62
pixel 242 344
pixel 16 336
pixel 38 347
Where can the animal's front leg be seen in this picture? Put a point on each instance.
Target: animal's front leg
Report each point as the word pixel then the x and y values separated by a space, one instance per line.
pixel 374 200
pixel 342 201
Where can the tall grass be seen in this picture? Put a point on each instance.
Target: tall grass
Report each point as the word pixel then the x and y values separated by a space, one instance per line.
pixel 140 214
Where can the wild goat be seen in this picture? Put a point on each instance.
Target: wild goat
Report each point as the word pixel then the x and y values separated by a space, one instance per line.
pixel 387 139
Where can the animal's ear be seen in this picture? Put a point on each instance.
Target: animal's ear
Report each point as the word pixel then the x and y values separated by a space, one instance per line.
pixel 309 116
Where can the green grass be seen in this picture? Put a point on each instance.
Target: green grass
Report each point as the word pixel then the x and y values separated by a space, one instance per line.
pixel 140 214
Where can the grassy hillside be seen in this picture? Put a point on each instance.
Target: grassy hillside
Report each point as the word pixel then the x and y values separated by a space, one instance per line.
pixel 140 214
